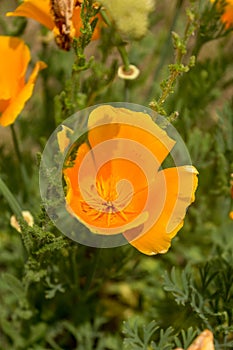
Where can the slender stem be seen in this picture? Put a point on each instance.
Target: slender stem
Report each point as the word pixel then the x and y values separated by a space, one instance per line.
pixel 75 277
pixel 172 78
pixel 10 199
pixel 169 85
pixel 124 57
pixel 167 45
pixel 126 91
pixel 16 144
pixel 23 171
pixel 120 46
pixel 105 17
pixel 92 275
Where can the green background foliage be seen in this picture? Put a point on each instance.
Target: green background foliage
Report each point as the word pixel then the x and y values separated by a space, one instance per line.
pixel 57 294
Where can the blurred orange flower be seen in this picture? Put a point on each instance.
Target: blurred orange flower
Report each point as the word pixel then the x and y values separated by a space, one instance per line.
pixel 40 10
pixel 227 16
pixel 108 195
pixel 14 92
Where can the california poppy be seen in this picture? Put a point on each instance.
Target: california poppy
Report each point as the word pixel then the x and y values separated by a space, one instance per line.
pixel 227 16
pixel 41 11
pixel 115 184
pixel 14 92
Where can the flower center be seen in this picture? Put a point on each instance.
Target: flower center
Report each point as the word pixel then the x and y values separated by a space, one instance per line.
pixel 107 203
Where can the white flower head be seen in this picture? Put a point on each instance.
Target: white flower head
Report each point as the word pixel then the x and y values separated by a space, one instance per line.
pixel 131 16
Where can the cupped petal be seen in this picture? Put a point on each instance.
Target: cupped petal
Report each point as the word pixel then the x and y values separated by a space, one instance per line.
pixel 166 215
pixel 152 242
pixel 14 59
pixel 17 103
pixel 108 122
pixel 38 10
pixel 127 171
pixel 187 179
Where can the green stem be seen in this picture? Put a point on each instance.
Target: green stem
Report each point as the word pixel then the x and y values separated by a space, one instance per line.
pixel 23 171
pixel 75 277
pixel 166 91
pixel 167 46
pixel 121 46
pixel 10 199
pixel 16 144
pixel 126 91
pixel 105 17
pixel 180 53
pixel 124 57
pixel 92 275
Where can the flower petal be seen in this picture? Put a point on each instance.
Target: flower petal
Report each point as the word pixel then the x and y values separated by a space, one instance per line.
pixel 14 59
pixel 107 122
pixel 17 103
pixel 180 185
pixel 38 10
pixel 71 173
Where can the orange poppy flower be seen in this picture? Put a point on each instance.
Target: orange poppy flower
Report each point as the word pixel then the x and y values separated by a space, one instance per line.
pixel 40 10
pixel 114 183
pixel 227 16
pixel 14 92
